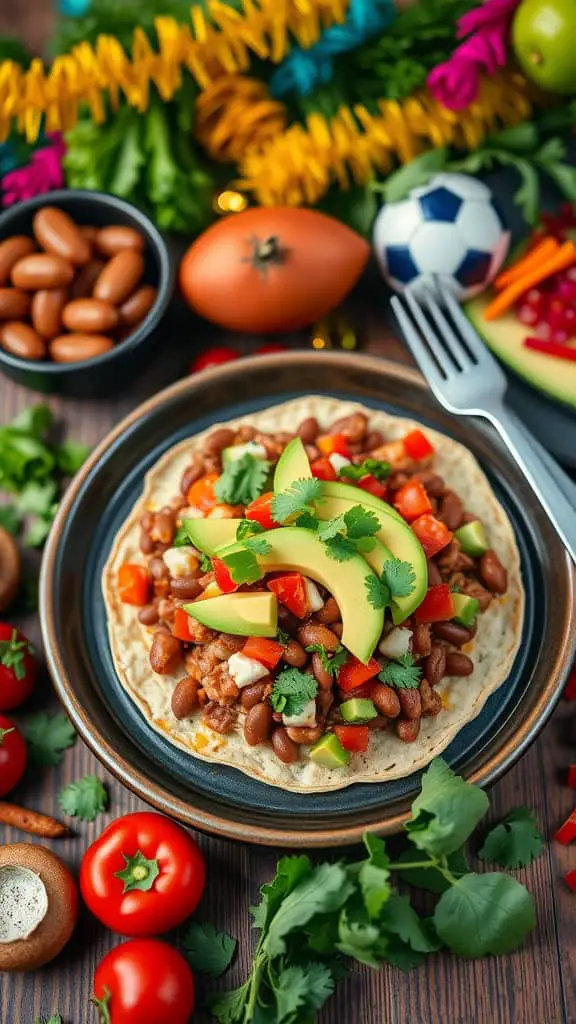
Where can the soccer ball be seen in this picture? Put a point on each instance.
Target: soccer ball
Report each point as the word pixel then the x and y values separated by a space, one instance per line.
pixel 449 229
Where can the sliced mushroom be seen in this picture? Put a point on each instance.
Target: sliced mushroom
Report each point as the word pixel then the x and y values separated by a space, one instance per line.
pixel 10 569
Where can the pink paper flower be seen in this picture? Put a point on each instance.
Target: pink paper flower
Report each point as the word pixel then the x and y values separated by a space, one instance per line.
pixel 455 83
pixel 43 174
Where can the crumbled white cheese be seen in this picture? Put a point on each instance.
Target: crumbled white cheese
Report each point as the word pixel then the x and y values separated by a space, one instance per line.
pixel 338 461
pixel 315 602
pixel 245 671
pixel 307 716
pixel 181 561
pixel 396 643
pixel 253 448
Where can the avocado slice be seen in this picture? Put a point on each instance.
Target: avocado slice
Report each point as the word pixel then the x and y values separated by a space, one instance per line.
pixel 359 709
pixel 472 537
pixel 210 534
pixel 294 548
pixel 292 465
pixel 252 614
pixel 465 609
pixel 329 752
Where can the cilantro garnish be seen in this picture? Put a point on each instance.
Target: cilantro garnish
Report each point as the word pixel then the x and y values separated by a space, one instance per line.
pixel 347 534
pixel 403 674
pixel 70 456
pixel 242 481
pixel 372 467
pixel 48 736
pixel 258 545
pixel 207 950
pixel 330 662
pixel 84 799
pixel 248 528
pixel 397 580
pixel 181 538
pixel 242 565
pixel 12 654
pixel 292 690
pixel 515 842
pixel 296 500
pixel 283 638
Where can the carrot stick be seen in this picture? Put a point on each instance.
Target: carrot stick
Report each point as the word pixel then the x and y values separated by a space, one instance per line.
pixel 563 258
pixel 543 251
pixel 31 821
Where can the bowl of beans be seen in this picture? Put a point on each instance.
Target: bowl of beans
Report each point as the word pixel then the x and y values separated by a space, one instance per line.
pixel 85 279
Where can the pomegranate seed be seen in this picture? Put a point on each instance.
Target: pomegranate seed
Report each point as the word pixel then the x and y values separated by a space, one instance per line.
pixel 534 297
pixel 527 315
pixel 559 336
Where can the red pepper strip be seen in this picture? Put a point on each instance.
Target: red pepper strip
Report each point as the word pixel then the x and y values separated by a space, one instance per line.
pixel 437 606
pixel 572 776
pixel 412 501
pixel 417 445
pixel 373 486
pixel 353 674
pixel 267 652
pixel 333 444
pixel 570 688
pixel 570 879
pixel 181 628
pixel 223 577
pixel 354 738
pixel 323 469
pixel 290 590
pixel 551 348
pixel 567 832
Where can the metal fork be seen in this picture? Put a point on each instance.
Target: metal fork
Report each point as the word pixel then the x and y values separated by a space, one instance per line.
pixel 467 381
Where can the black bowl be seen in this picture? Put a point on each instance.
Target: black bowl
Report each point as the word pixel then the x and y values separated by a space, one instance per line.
pixel 111 371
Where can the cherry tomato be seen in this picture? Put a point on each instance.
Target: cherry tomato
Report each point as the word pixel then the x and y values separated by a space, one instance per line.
pixel 18 667
pixel 143 876
pixel 144 982
pixel 267 270
pixel 13 755
pixel 215 356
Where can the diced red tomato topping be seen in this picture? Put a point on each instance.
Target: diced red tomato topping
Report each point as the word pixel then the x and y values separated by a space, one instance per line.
pixel 437 606
pixel 133 584
pixel 290 590
pixel 267 652
pixel 572 776
pixel 567 832
pixel 417 445
pixel 333 444
pixel 432 534
pixel 260 511
pixel 201 493
pixel 412 500
pixel 223 577
pixel 323 469
pixel 353 737
pixel 570 879
pixel 181 628
pixel 373 486
pixel 354 673
pixel 570 688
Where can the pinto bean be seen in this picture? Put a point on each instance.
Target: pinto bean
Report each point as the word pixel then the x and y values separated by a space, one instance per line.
pixel 158 568
pixel 410 703
pixel 421 642
pixel 373 439
pixel 353 427
pixel 407 730
pixel 338 629
pixel 166 608
pixel 474 589
pixel 434 577
pixel 386 700
pixel 244 433
pixel 451 510
pixel 452 632
pixel 397 480
pixel 146 543
pixel 164 526
pixel 380 722
pixel 148 615
pixel 185 697
pixel 435 664
pixel 284 748
pixel 431 701
pixel 219 439
pixel 191 474
pixel 258 725
pixel 211 464
pixel 312 452
pixel 432 482
pixel 322 676
pixel 252 695
pixel 294 654
pixel 329 613
pixel 458 664
pixel 304 734
pixel 165 653
pixel 315 633
pixel 185 587
pixel 325 701
pixel 492 573
pixel 308 430
pixel 286 620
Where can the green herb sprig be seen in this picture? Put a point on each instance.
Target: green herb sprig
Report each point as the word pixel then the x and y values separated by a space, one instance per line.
pixel 243 480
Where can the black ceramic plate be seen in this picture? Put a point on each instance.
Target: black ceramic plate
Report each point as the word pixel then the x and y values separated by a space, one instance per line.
pixel 222 799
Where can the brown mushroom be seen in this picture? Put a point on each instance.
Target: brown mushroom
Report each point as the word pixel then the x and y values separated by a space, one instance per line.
pixel 38 906
pixel 10 568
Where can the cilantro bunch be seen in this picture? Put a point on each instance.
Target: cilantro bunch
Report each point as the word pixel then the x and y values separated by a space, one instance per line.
pixel 243 480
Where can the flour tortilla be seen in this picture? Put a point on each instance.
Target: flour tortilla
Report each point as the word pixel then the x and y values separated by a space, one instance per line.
pixel 493 649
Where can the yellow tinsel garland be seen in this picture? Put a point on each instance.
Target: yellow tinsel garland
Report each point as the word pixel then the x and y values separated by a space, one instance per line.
pixel 235 114
pixel 220 41
pixel 299 166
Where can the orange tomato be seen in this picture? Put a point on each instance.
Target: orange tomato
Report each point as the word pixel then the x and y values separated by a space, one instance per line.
pixel 133 584
pixel 201 493
pixel 271 269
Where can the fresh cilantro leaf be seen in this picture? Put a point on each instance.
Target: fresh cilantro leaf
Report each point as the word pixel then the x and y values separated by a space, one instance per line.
pixel 35 420
pixel 22 458
pixel 229 1007
pixel 349 533
pixel 292 690
pixel 331 528
pixel 242 565
pixel 484 914
pixel 296 500
pixel 12 654
pixel 181 538
pixel 340 548
pixel 403 674
pixel 361 522
pixel 207 950
pixel 331 662
pixel 70 456
pixel 36 533
pixel 37 498
pixel 289 872
pixel 515 842
pixel 10 519
pixel 361 938
pixel 400 918
pixel 248 528
pixel 84 799
pixel 446 811
pixel 400 954
pixel 400 577
pixel 298 986
pixel 378 592
pixel 283 638
pixel 258 545
pixel 205 563
pixel 373 876
pixel 242 481
pixel 372 467
pixel 431 878
pixel 48 736
pixel 325 888
pixel 308 521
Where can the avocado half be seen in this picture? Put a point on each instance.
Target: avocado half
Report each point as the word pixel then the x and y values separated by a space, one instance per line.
pixel 505 337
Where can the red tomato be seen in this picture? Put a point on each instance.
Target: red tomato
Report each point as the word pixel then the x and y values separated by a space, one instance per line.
pixel 181 627
pixel 260 511
pixel 332 444
pixel 201 493
pixel 323 469
pixel 412 500
pixel 267 652
pixel 223 577
pixel 354 738
pixel 437 606
pixel 290 590
pixel 213 357
pixel 133 584
pixel 144 982
pixel 354 674
pixel 373 486
pixel 432 534
pixel 267 270
pixel 17 667
pixel 417 445
pixel 13 755
pixel 143 876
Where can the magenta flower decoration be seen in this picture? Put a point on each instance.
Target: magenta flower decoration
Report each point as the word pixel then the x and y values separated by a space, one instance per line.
pixel 455 84
pixel 43 174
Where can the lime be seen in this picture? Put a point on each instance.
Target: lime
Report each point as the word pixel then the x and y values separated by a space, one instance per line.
pixel 544 36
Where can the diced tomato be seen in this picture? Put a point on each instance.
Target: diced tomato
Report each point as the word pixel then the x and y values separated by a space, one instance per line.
pixel 290 590
pixel 572 776
pixel 567 832
pixel 432 534
pixel 333 444
pixel 570 688
pixel 412 500
pixel 201 493
pixel 417 445
pixel 223 578
pixel 354 673
pixel 260 511
pixel 323 469
pixel 133 584
pixel 373 486
pixel 570 879
pixel 181 626
pixel 437 606
pixel 353 737
pixel 267 652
